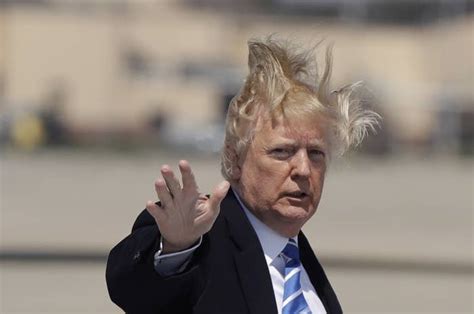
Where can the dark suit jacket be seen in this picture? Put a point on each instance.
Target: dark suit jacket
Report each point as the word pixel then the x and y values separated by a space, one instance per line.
pixel 227 273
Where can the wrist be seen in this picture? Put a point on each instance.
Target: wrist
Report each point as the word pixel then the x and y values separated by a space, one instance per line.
pixel 169 247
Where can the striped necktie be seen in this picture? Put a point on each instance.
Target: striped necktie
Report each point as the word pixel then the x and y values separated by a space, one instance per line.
pixel 293 299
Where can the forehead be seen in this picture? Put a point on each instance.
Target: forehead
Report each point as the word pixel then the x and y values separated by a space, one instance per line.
pixel 301 129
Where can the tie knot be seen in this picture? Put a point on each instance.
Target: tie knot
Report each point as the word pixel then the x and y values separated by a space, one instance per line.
pixel 291 251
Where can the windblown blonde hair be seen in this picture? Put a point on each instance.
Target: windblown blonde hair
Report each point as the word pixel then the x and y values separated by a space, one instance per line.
pixel 283 81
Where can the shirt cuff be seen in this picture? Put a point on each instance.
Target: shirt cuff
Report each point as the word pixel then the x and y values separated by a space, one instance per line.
pixel 173 263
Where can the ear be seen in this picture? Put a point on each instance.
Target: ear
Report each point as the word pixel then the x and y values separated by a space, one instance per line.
pixel 236 172
pixel 236 169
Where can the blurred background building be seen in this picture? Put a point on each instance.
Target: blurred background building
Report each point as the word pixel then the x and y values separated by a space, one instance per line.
pixel 102 69
pixel 152 78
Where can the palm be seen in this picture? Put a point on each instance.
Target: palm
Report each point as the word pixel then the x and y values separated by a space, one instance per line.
pixel 184 214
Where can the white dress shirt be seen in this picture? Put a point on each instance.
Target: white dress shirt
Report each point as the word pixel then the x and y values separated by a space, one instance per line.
pixel 272 244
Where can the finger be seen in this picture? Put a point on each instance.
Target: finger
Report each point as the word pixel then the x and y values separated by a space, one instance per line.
pixel 163 194
pixel 171 182
pixel 220 191
pixel 155 210
pixel 189 181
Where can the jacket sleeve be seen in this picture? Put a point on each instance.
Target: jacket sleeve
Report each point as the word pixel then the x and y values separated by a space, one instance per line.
pixel 136 287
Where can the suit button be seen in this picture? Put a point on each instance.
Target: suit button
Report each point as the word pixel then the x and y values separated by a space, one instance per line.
pixel 137 256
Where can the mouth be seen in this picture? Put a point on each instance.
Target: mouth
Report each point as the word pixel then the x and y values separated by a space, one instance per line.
pixel 299 195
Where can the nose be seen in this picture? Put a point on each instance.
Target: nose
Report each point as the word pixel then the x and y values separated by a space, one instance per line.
pixel 301 165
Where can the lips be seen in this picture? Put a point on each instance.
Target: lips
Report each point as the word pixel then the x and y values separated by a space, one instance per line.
pixel 296 194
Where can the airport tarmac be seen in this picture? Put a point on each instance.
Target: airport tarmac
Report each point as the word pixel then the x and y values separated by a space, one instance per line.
pixel 395 235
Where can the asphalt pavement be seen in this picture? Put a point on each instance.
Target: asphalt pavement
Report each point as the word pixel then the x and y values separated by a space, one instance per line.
pixel 395 234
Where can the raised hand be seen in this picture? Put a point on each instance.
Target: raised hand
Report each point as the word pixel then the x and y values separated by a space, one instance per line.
pixel 185 214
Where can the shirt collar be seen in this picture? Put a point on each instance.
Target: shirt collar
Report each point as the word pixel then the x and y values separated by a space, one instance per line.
pixel 272 243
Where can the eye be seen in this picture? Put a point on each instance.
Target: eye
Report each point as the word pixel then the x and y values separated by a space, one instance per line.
pixel 316 154
pixel 281 153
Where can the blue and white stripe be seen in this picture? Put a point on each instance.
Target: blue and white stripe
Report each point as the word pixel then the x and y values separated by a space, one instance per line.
pixel 293 298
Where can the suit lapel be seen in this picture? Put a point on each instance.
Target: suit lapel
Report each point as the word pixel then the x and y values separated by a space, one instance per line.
pixel 255 281
pixel 249 260
pixel 318 277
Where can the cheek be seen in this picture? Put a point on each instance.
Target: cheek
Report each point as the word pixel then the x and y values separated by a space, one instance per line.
pixel 322 175
pixel 318 177
pixel 274 173
pixel 266 179
pixel 318 183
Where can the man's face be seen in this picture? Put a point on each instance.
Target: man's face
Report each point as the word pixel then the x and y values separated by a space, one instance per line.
pixel 282 174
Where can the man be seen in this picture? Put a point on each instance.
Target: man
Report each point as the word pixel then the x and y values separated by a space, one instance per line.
pixel 241 250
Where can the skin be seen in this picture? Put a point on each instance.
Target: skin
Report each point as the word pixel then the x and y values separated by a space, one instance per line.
pixel 280 179
pixel 184 213
pixel 282 175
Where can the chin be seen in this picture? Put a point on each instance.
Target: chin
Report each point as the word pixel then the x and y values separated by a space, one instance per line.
pixel 293 213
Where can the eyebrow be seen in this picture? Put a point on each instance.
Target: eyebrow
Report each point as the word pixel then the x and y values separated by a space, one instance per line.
pixel 316 143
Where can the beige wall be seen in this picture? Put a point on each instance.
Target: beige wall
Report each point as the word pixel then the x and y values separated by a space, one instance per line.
pixel 406 67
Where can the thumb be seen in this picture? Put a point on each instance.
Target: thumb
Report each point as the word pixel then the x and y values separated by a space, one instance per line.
pixel 220 191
